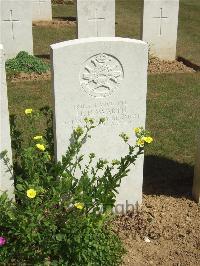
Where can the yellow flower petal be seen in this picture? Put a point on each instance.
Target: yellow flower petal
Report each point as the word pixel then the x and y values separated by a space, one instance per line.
pixel 28 111
pixel 79 205
pixel 148 139
pixel 40 147
pixel 136 130
pixel 31 193
pixel 37 137
pixel 140 142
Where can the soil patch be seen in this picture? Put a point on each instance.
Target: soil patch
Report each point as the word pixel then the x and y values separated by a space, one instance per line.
pixel 157 66
pixel 55 23
pixel 166 231
pixel 29 76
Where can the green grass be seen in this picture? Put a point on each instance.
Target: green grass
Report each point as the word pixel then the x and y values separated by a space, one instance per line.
pixel 188 44
pixel 128 24
pixel 173 115
pixel 28 94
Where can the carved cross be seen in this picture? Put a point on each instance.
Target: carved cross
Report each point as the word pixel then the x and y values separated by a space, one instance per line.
pixel 96 20
pixel 161 17
pixel 12 21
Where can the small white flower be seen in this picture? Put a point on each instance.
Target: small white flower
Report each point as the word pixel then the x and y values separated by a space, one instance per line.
pixel 146 239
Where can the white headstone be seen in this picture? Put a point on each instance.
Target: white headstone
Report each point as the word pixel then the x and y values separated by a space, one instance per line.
pixel 6 182
pixel 102 77
pixel 160 24
pixel 196 180
pixel 16 27
pixel 95 18
pixel 41 10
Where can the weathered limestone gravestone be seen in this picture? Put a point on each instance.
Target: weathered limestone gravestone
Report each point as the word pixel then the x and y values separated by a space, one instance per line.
pixel 102 77
pixel 41 10
pixel 196 180
pixel 95 18
pixel 6 182
pixel 160 24
pixel 16 27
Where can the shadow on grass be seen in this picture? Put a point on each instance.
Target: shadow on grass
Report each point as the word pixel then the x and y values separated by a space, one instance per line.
pixel 163 176
pixel 43 56
pixel 65 18
pixel 188 63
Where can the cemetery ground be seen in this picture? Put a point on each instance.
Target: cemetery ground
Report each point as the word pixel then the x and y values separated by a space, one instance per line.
pixel 169 217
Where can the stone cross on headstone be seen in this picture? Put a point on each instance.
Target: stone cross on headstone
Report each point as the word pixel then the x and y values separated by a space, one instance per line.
pixel 102 77
pixel 16 27
pixel 160 24
pixel 161 17
pixel 12 21
pixel 95 18
pixel 96 21
pixel 6 178
pixel 41 10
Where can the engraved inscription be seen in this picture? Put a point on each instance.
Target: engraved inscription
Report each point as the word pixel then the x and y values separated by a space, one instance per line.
pixel 115 113
pixel 101 75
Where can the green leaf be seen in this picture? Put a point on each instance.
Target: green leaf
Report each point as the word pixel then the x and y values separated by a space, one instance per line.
pixel 19 187
pixel 59 237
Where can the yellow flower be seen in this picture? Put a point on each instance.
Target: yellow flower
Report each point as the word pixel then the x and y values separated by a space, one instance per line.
pixel 148 139
pixel 40 147
pixel 28 111
pixel 37 137
pixel 140 142
pixel 31 193
pixel 79 205
pixel 136 130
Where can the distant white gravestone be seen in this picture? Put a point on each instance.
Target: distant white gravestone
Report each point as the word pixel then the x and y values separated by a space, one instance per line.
pixel 6 181
pixel 196 180
pixel 16 27
pixel 95 18
pixel 41 10
pixel 102 77
pixel 160 24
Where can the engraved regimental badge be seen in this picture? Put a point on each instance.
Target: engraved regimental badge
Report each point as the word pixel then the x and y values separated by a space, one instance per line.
pixel 101 75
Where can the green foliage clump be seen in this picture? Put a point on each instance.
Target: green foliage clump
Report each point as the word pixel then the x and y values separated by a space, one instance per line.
pixel 24 62
pixel 62 211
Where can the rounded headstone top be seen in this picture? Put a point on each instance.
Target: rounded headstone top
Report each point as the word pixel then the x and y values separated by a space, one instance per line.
pixel 96 39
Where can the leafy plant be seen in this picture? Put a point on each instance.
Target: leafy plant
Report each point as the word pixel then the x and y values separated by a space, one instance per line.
pixel 24 62
pixel 62 209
